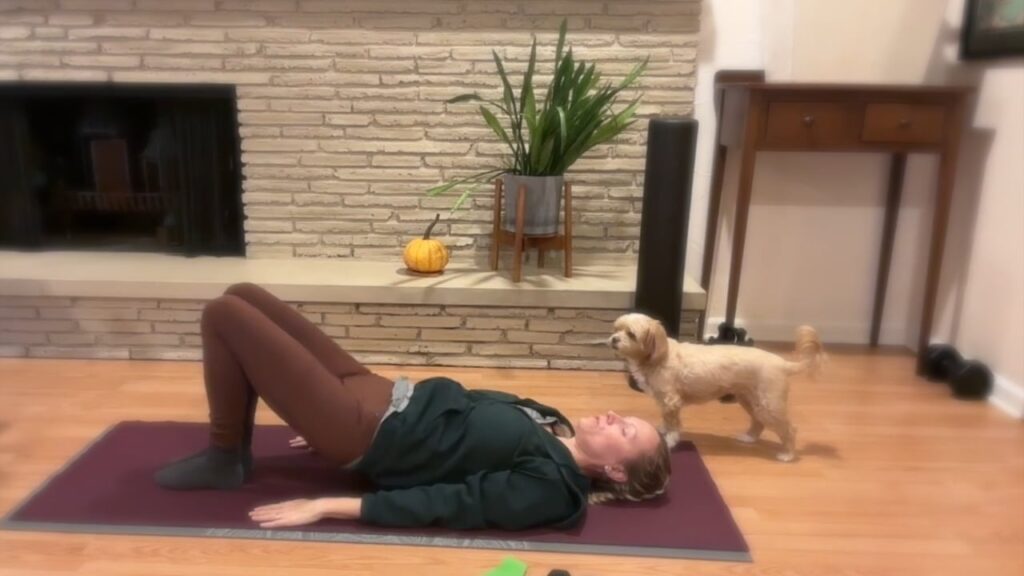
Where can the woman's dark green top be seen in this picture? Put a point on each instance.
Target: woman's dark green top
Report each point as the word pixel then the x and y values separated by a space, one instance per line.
pixel 472 459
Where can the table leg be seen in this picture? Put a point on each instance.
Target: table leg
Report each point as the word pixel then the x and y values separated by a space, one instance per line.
pixel 496 236
pixel 568 230
pixel 517 268
pixel 940 222
pixel 892 209
pixel 711 230
pixel 753 126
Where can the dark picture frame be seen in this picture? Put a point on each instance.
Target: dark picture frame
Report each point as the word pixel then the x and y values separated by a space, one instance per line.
pixel 992 29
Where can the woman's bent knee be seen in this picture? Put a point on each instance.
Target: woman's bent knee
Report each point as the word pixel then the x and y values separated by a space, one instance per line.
pixel 240 289
pixel 221 310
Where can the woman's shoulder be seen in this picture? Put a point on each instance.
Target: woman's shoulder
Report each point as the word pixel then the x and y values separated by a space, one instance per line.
pixel 556 469
pixel 565 487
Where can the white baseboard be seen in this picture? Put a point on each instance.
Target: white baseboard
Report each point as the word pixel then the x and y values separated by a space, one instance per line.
pixel 831 333
pixel 1008 396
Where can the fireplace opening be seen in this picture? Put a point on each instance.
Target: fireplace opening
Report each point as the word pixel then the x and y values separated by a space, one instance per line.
pixel 113 167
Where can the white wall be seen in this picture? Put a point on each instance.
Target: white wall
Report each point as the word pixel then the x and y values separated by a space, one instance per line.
pixel 729 39
pixel 990 323
pixel 815 221
pixel 813 239
pixel 984 311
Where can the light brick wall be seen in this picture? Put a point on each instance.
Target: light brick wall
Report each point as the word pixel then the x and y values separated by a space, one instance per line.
pixel 113 328
pixel 341 102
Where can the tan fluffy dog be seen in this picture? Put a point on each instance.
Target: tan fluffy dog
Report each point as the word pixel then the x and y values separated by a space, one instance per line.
pixel 677 374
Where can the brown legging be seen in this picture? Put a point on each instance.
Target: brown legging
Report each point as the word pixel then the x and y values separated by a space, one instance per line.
pixel 256 346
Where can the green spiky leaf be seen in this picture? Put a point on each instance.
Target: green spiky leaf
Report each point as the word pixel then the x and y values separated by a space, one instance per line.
pixel 547 134
pixel 492 121
pixel 464 98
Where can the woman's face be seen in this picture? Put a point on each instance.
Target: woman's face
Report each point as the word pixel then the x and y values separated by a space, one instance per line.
pixel 613 440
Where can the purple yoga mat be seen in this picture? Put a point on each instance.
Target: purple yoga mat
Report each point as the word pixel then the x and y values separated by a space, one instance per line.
pixel 109 489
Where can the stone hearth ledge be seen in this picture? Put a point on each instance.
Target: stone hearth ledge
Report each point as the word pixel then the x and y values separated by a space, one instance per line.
pixel 605 282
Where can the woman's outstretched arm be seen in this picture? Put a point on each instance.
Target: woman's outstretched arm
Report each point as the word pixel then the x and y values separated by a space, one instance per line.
pixel 306 511
pixel 533 495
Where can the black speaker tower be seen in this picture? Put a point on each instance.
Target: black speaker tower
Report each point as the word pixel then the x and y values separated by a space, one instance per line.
pixel 668 183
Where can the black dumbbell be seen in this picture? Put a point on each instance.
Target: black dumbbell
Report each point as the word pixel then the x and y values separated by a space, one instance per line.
pixel 969 379
pixel 730 335
pixel 726 335
pixel 940 362
pixel 972 380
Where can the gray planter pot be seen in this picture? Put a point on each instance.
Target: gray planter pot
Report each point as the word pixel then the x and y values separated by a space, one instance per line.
pixel 543 203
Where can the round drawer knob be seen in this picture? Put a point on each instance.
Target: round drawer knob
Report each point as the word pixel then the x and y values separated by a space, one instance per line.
pixel 808 120
pixel 905 123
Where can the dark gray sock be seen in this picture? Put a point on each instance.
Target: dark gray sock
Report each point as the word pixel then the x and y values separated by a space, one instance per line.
pixel 213 468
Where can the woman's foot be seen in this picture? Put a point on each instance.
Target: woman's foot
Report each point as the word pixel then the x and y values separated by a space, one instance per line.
pixel 214 468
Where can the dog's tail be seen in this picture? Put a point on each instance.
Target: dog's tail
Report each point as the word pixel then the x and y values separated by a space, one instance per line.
pixel 809 350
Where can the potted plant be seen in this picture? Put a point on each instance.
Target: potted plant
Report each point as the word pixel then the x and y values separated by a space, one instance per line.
pixel 545 137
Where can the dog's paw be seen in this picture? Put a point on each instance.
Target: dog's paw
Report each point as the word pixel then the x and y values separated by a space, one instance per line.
pixel 746 438
pixel 672 438
pixel 785 456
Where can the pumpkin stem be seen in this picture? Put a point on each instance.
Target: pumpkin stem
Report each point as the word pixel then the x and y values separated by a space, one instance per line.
pixel 426 236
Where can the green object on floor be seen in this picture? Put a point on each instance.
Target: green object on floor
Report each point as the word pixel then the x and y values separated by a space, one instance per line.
pixel 509 567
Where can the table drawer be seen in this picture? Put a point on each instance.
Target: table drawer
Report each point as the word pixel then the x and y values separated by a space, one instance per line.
pixel 904 123
pixel 810 124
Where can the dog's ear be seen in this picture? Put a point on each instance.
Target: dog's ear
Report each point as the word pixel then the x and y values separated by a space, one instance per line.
pixel 656 341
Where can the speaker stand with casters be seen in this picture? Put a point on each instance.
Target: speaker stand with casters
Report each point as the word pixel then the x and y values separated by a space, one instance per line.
pixel 521 241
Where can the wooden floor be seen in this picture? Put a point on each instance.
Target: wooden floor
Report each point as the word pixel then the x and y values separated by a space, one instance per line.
pixel 894 477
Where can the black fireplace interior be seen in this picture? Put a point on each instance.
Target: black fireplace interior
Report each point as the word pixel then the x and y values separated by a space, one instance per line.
pixel 112 167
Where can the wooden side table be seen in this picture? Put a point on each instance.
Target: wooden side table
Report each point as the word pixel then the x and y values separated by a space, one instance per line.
pixel 754 115
pixel 521 241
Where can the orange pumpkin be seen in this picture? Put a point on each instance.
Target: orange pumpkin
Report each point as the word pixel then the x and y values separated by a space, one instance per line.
pixel 426 255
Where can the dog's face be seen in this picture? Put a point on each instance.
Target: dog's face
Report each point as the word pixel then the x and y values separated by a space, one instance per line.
pixel 639 338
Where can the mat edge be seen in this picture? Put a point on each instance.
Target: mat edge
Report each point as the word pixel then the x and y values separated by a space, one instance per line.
pixel 380 539
pixel 25 500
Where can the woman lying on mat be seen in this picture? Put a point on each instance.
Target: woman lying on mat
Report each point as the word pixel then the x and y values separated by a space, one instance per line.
pixel 440 454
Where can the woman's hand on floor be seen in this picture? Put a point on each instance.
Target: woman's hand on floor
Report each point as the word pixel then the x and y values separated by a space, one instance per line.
pixel 302 512
pixel 290 513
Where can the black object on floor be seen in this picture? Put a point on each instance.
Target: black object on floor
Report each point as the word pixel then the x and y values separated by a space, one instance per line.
pixel 732 335
pixel 940 359
pixel 559 572
pixel 668 180
pixel 969 379
pixel 973 381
